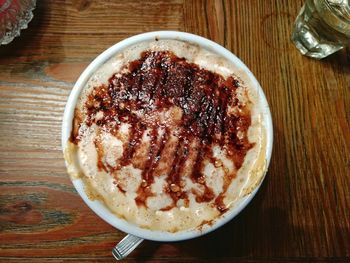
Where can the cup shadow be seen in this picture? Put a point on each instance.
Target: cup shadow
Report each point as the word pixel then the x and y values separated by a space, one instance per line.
pixel 339 61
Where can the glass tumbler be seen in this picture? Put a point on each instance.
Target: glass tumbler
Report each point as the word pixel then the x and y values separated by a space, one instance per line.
pixel 322 27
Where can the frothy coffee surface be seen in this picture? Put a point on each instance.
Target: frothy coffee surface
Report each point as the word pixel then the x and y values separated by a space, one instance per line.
pixel 167 136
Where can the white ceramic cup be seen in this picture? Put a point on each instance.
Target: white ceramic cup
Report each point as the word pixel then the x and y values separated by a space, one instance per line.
pixel 98 207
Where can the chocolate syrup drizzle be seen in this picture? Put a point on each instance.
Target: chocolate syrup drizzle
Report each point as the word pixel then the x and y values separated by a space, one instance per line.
pixel 155 83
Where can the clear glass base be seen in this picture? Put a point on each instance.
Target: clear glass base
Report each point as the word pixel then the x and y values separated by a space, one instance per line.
pixel 309 45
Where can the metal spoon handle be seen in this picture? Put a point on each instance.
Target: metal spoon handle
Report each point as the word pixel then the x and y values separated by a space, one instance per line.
pixel 126 246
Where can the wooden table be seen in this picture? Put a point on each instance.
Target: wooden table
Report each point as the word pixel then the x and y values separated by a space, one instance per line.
pixel 301 212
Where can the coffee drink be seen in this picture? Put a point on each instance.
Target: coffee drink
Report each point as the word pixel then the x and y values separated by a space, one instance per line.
pixel 168 135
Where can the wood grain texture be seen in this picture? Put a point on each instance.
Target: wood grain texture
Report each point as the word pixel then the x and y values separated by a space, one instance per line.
pixel 301 213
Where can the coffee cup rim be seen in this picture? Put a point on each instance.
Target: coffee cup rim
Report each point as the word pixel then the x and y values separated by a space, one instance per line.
pixel 98 207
